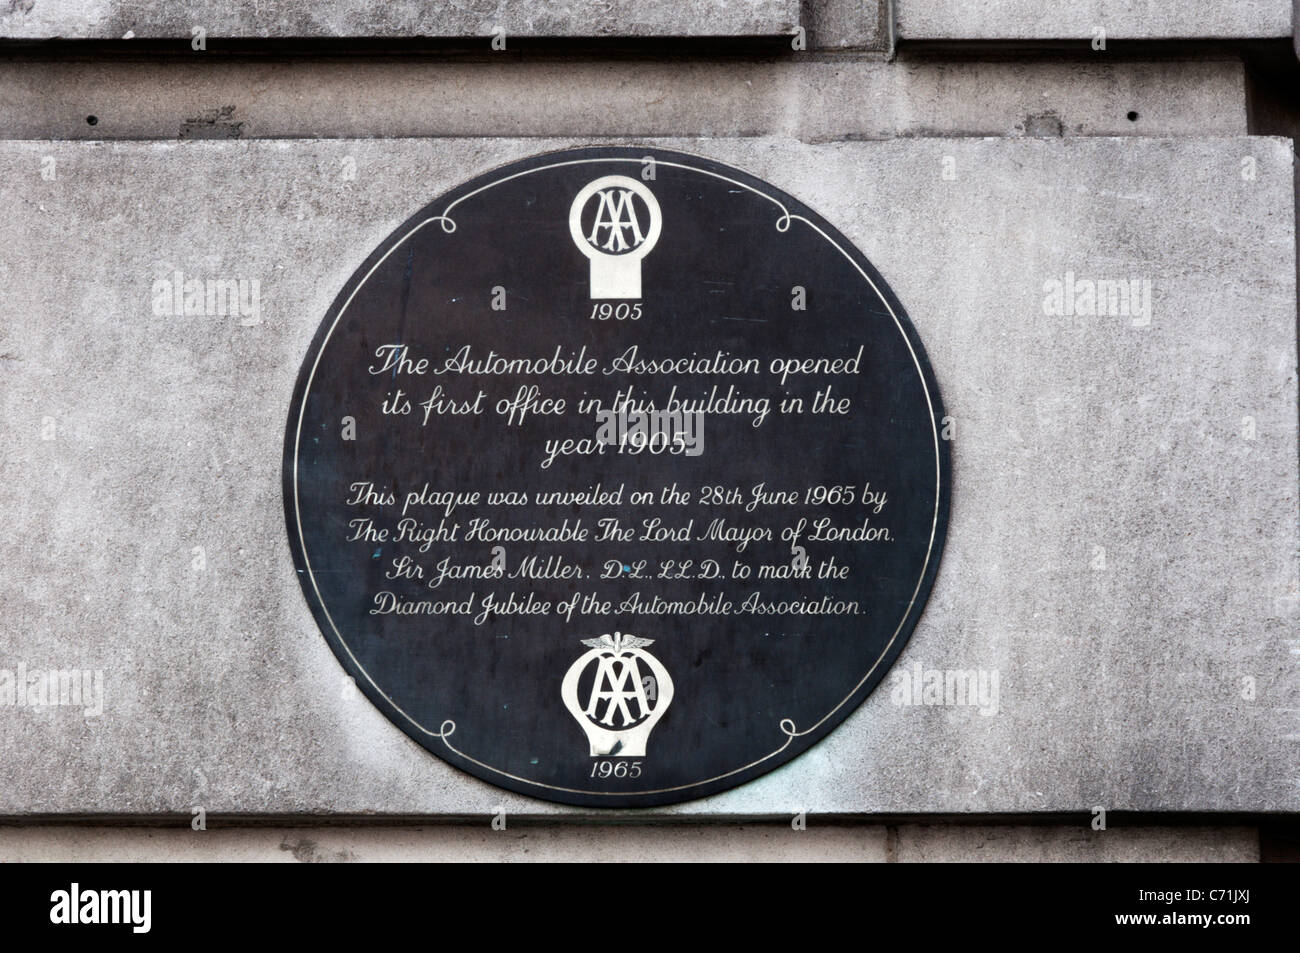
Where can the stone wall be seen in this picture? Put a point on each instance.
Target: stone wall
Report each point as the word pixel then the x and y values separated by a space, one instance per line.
pixel 1124 535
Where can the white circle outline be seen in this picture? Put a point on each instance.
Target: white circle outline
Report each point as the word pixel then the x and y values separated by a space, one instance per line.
pixel 606 182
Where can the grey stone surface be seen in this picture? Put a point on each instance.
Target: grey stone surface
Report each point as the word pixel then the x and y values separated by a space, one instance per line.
pixel 114 19
pixel 134 440
pixel 960 843
pixel 848 24
pixel 1077 19
pixel 821 842
pixel 816 97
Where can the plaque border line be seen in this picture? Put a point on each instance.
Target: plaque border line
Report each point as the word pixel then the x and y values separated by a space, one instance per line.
pixel 786 725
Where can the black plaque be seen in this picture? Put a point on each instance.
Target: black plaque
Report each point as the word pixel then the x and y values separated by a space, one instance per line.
pixel 616 477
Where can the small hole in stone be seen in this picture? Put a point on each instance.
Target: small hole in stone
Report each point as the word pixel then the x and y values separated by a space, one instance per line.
pixel 92 120
pixel 1132 116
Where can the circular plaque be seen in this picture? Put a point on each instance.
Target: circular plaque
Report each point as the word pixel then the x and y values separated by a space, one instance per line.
pixel 616 477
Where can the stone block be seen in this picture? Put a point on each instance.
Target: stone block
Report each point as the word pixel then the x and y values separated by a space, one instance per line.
pixel 1123 539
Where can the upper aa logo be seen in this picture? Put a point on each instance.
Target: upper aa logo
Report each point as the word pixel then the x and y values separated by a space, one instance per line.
pixel 617 692
pixel 615 221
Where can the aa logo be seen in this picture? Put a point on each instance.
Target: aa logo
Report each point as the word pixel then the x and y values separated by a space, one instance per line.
pixel 617 692
pixel 615 221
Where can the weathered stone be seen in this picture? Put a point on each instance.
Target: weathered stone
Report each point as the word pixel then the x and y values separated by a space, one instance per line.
pixel 584 843
pixel 114 19
pixel 820 97
pixel 960 843
pixel 1073 19
pixel 848 24
pixel 1122 549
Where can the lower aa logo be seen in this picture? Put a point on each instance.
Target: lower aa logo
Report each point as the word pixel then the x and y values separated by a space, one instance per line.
pixel 615 221
pixel 617 692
